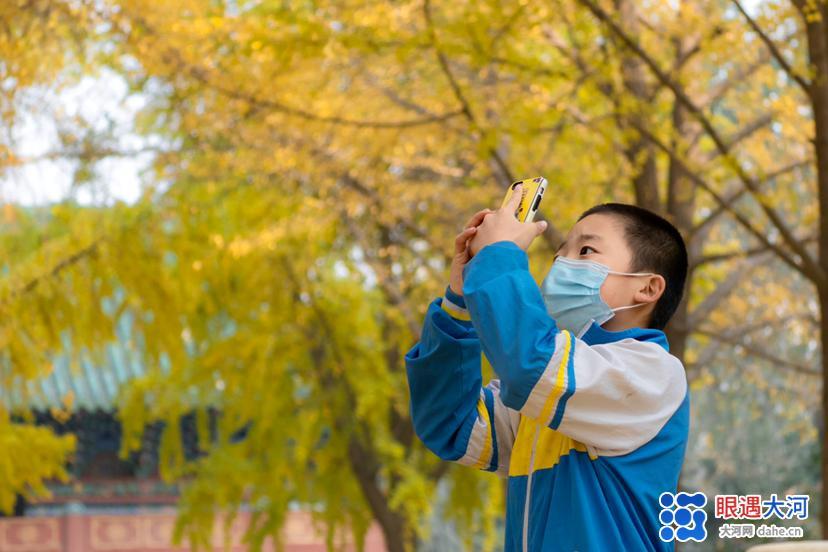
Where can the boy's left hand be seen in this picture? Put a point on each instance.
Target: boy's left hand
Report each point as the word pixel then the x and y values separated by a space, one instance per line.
pixel 502 225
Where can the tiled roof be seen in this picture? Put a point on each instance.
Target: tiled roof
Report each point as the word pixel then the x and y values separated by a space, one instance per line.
pixel 93 385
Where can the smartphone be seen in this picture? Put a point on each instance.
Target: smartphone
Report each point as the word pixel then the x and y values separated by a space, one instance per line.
pixel 531 194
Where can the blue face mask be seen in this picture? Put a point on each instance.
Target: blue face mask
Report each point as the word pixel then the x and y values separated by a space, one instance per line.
pixel 572 294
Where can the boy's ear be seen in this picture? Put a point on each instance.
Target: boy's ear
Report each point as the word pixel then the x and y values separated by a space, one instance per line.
pixel 651 289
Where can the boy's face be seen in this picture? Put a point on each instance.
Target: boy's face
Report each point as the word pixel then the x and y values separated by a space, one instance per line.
pixel 600 238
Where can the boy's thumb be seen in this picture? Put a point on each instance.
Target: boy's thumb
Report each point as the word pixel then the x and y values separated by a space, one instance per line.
pixel 540 226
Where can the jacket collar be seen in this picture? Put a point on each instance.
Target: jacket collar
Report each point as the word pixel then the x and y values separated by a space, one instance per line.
pixel 596 335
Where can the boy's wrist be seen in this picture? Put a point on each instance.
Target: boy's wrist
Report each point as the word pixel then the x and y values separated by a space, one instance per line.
pixel 455 305
pixel 455 297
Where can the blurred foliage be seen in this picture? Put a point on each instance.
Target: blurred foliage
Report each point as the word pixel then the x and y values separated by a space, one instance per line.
pixel 755 426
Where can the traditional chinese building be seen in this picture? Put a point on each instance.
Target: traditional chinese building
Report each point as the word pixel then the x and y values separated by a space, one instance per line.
pixel 113 504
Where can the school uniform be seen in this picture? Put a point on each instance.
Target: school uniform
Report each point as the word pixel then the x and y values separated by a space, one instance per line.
pixel 588 430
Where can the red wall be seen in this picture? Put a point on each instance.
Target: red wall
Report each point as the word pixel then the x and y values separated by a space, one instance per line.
pixel 148 533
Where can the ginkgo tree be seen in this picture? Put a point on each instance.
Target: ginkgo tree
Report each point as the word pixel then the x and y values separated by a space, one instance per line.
pixel 774 162
pixel 39 42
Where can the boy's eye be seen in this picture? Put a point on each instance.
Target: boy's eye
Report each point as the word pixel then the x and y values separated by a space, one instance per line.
pixel 586 247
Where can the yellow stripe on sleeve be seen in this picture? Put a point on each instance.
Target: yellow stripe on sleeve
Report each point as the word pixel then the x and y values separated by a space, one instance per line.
pixel 454 311
pixel 560 381
pixel 486 453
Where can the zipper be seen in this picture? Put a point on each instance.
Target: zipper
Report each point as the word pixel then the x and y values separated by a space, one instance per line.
pixel 529 491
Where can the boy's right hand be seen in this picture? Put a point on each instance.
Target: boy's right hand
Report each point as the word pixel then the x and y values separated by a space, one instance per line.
pixel 462 254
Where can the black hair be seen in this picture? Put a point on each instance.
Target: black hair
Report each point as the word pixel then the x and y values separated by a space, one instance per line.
pixel 656 246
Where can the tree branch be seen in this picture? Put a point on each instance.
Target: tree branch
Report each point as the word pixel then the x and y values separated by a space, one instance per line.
pixel 757 352
pixel 805 85
pixel 723 202
pixel 746 131
pixel 392 292
pixel 741 253
pixel 722 291
pixel 465 109
pixel 199 74
pixel 742 73
pixel 809 267
pixel 733 197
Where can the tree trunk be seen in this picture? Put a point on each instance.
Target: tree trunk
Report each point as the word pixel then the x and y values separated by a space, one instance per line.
pixel 680 207
pixel 640 152
pixel 681 204
pixel 822 422
pixel 398 537
pixel 818 56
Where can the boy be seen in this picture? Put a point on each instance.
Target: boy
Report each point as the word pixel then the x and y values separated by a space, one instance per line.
pixel 589 416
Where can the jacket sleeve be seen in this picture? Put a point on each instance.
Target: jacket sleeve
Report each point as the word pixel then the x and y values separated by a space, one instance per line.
pixel 454 416
pixel 613 397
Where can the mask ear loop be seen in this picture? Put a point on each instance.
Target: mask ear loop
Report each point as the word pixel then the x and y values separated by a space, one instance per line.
pixel 632 273
pixel 616 309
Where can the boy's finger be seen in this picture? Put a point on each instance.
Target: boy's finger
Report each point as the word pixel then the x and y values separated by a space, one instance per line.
pixel 514 201
pixel 540 227
pixel 462 237
pixel 477 218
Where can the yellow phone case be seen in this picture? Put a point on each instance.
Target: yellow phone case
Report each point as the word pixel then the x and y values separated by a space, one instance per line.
pixel 531 194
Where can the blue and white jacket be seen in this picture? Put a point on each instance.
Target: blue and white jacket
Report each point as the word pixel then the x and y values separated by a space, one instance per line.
pixel 589 431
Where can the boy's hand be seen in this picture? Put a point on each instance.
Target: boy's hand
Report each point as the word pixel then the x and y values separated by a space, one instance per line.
pixel 461 251
pixel 502 225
